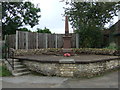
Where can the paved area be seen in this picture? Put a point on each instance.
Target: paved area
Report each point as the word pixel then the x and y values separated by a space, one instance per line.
pixel 29 81
pixel 76 58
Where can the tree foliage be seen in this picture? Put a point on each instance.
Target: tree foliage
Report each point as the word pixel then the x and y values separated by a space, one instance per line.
pixel 18 14
pixel 45 30
pixel 90 38
pixel 89 18
pixel 24 29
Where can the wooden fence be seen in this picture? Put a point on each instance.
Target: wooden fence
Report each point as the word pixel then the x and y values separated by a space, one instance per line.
pixel 32 40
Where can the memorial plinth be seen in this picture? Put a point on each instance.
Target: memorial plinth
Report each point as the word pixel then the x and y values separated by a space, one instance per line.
pixel 67 41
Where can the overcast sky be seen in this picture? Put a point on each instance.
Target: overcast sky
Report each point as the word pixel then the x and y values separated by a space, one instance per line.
pixel 51 17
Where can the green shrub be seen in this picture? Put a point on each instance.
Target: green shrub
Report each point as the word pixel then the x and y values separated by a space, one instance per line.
pixel 112 46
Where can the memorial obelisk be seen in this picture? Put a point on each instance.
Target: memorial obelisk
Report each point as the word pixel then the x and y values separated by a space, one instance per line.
pixel 67 37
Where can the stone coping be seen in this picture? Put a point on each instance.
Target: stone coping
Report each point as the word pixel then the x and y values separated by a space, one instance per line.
pixel 67 60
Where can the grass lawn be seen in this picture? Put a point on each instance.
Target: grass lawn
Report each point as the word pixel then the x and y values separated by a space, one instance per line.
pixel 4 71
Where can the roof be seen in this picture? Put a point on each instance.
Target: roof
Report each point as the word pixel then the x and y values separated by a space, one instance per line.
pixel 116 26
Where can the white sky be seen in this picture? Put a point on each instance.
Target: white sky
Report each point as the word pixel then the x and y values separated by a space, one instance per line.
pixel 51 17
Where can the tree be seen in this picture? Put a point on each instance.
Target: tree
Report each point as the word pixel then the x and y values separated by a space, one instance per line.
pixel 45 30
pixel 18 14
pixel 24 29
pixel 90 18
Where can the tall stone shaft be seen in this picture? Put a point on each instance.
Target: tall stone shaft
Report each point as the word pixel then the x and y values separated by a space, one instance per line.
pixel 67 37
pixel 66 26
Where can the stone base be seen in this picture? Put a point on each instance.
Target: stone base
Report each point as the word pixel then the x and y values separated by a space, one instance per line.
pixel 66 50
pixel 67 41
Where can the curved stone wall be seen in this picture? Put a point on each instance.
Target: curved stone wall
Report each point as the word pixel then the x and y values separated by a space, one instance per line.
pixel 71 69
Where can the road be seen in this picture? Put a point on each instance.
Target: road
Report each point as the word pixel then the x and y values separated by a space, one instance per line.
pixel 31 81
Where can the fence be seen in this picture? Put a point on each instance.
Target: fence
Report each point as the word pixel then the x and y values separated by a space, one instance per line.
pixel 33 40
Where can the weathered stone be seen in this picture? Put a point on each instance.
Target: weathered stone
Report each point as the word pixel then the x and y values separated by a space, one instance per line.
pixel 66 61
pixel 53 51
pixel 72 70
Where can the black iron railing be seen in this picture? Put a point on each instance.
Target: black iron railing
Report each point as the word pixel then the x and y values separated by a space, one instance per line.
pixel 8 54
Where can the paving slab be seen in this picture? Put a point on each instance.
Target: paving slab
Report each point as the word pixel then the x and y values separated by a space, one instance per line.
pixel 58 58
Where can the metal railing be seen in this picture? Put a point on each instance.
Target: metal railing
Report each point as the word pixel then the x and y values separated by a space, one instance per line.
pixel 8 54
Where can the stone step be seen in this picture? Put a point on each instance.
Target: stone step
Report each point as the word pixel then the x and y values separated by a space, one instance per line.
pixel 15 60
pixel 17 63
pixel 20 69
pixel 21 73
pixel 18 66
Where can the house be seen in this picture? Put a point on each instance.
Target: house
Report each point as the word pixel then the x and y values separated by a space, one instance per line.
pixel 114 33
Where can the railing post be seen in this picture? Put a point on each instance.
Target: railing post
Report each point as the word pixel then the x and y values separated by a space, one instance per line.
pixel 12 57
pixel 5 51
pixel 13 63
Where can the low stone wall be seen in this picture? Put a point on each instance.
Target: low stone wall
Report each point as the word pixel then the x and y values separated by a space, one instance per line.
pixel 71 69
pixel 96 51
pixel 22 52
pixel 53 51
